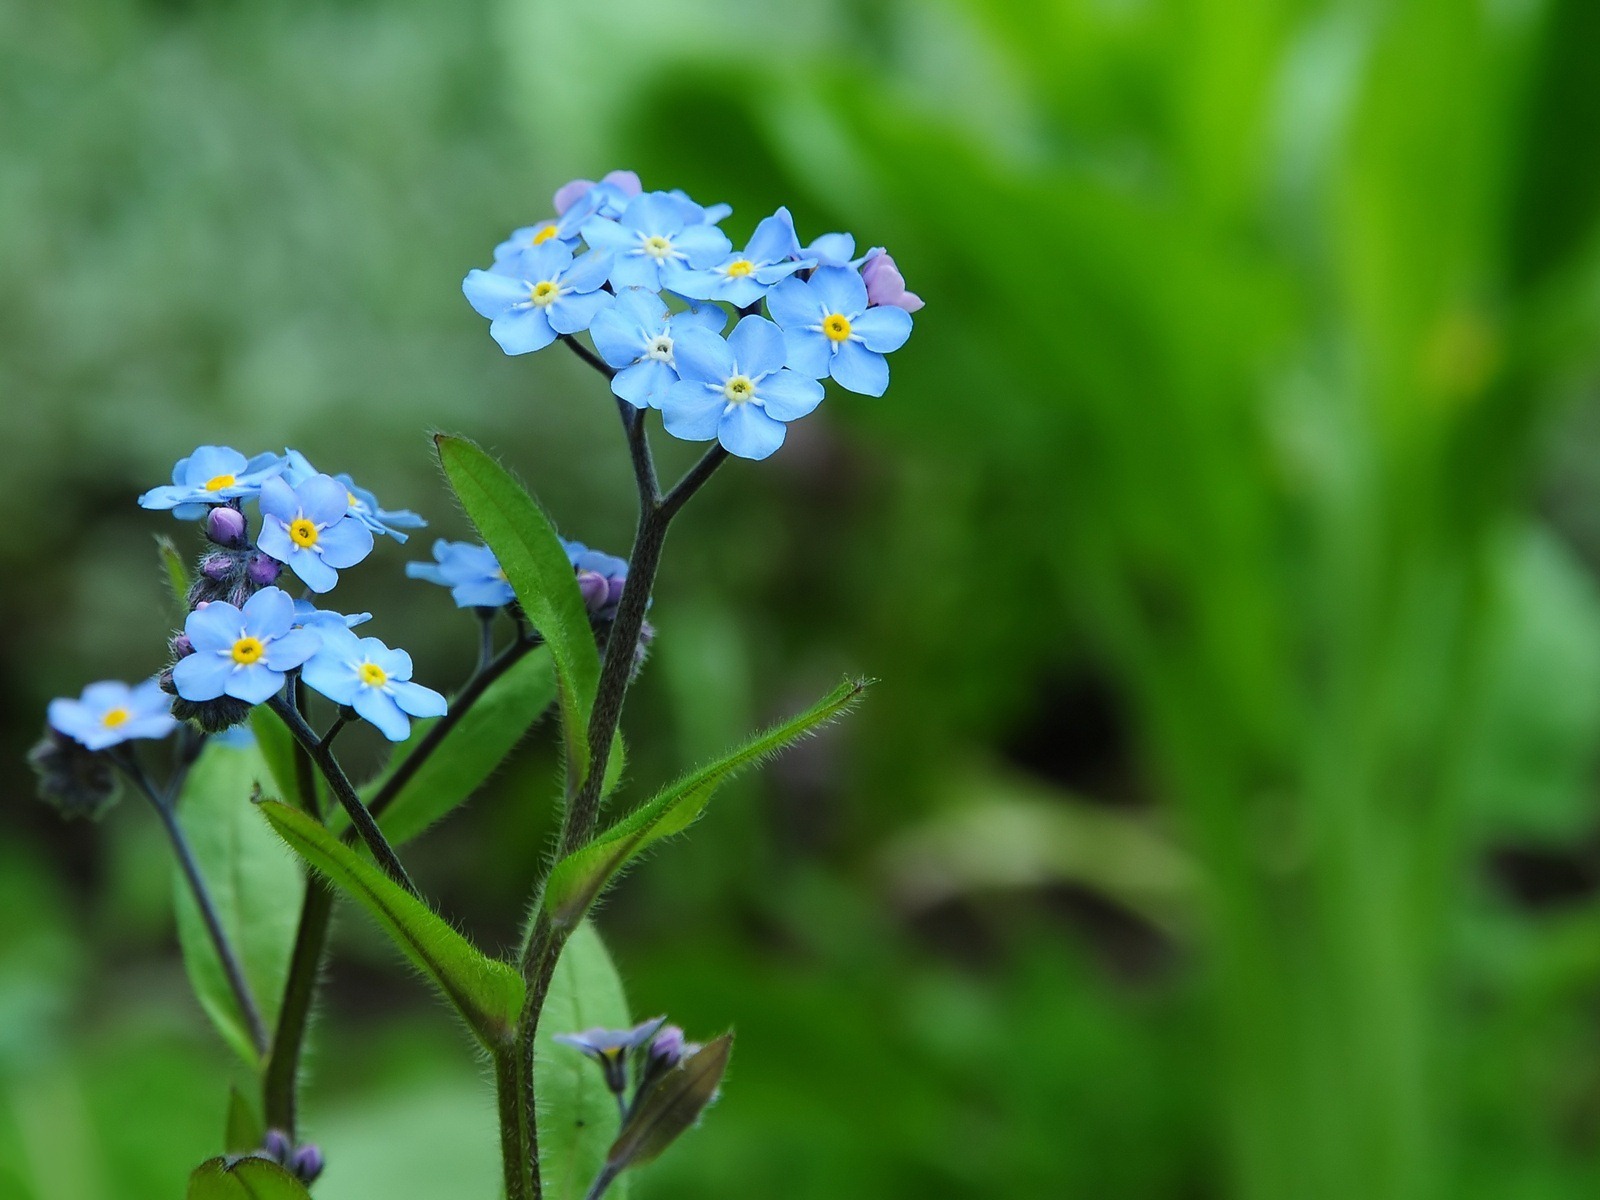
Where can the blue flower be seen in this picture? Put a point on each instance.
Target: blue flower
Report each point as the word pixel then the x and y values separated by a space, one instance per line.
pixel 471 572
pixel 611 1048
pixel 830 330
pixel 111 712
pixel 309 616
pixel 656 241
pixel 312 530
pixel 607 198
pixel 636 335
pixel 364 505
pixel 832 250
pixel 737 391
pixel 539 294
pixel 211 475
pixel 601 578
pixel 242 653
pixel 372 679
pixel 773 253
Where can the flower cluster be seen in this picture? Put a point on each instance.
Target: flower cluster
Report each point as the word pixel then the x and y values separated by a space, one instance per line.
pixel 654 281
pixel 632 1060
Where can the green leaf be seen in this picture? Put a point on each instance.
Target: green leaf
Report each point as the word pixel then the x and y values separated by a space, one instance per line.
pixel 577 1114
pixel 245 1128
pixel 177 571
pixel 255 888
pixel 530 553
pixel 470 752
pixel 578 879
pixel 486 992
pixel 277 747
pixel 246 1179
pixel 672 1106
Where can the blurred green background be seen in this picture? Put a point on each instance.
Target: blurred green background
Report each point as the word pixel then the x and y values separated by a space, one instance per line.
pixel 1225 823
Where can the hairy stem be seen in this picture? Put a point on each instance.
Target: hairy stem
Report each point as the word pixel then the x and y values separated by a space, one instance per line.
pixel 279 1087
pixel 359 815
pixel 514 1122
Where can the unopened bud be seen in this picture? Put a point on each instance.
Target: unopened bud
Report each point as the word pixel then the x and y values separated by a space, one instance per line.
pixel 180 645
pixel 307 1163
pixel 217 567
pixel 263 570
pixel 595 590
pixel 225 526
pixel 275 1145
pixel 73 780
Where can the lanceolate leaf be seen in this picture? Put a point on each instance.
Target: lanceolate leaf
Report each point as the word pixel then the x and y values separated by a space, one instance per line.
pixel 246 1179
pixel 579 878
pixel 577 1115
pixel 673 1106
pixel 176 571
pixel 255 887
pixel 530 553
pixel 486 992
pixel 470 752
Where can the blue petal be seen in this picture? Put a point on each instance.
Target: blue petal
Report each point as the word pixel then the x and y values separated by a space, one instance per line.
pixel 523 331
pixel 702 357
pixel 832 249
pixel 201 676
pixel 323 499
pixel 773 239
pixel 210 461
pixel 345 543
pixel 274 540
pixel 313 572
pixel 588 272
pixel 710 317
pixel 105 695
pixel 419 701
pixel 278 500
pixel 395 663
pixel 787 396
pixel 749 432
pixel 155 726
pixel 426 571
pixel 793 305
pixel 383 712
pixel 617 334
pixel 883 329
pixel 255 684
pixel 635 270
pixel 482 593
pixel 572 313
pixel 491 294
pixel 757 346
pixel 839 289
pixel 807 353
pixel 166 496
pixel 215 627
pixel 645 384
pixel 654 213
pixel 149 698
pixel 269 613
pixel 292 649
pixel 332 675
pixel 545 261
pixel 696 285
pixel 859 369
pixel 702 245
pixel 692 411
pixel 602 234
pixel 742 291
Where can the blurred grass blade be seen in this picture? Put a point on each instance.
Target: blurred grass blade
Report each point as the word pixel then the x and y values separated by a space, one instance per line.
pixel 537 567
pixel 247 1179
pixel 577 880
pixel 245 1129
pixel 487 993
pixel 177 572
pixel 254 886
pixel 576 1111
pixel 672 1107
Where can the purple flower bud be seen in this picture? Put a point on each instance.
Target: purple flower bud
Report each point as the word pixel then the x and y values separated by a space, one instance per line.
pixel 181 646
pixel 263 569
pixel 667 1047
pixel 217 566
pixel 885 284
pixel 307 1163
pixel 595 589
pixel 225 526
pixel 276 1146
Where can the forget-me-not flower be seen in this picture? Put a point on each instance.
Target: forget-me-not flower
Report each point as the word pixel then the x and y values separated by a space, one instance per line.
pixel 773 253
pixel 242 652
pixel 540 293
pixel 372 679
pixel 738 391
pixel 656 242
pixel 832 250
pixel 611 1048
pixel 470 571
pixel 312 530
pixel 211 475
pixel 309 616
pixel 111 712
pixel 364 504
pixel 831 330
pixel 636 335
pixel 608 197
pixel 601 578
pixel 885 284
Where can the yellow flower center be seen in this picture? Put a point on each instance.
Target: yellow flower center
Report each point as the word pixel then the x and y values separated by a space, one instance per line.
pixel 544 235
pixel 373 675
pixel 657 246
pixel 544 292
pixel 247 650
pixel 303 533
pixel 115 717
pixel 217 482
pixel 739 389
pixel 351 497
pixel 739 268
pixel 837 327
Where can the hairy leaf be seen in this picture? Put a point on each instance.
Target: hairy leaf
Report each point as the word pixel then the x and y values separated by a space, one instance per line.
pixel 672 1106
pixel 176 570
pixel 246 1179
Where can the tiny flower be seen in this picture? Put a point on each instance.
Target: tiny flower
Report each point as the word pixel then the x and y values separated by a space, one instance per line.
pixel 636 336
pixel 656 242
pixel 738 391
pixel 831 330
pixel 747 275
pixel 73 780
pixel 372 679
pixel 364 505
pixel 244 652
pixel 309 616
pixel 611 1048
pixel 601 578
pixel 471 572
pixel 311 530
pixel 112 712
pixel 211 475
pixel 885 284
pixel 539 294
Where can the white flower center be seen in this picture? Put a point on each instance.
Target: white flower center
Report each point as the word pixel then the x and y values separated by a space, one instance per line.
pixel 739 389
pixel 544 293
pixel 658 247
pixel 660 349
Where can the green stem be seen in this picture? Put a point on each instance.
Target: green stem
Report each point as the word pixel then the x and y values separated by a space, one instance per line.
pixel 514 1124
pixel 607 1176
pixel 279 1082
